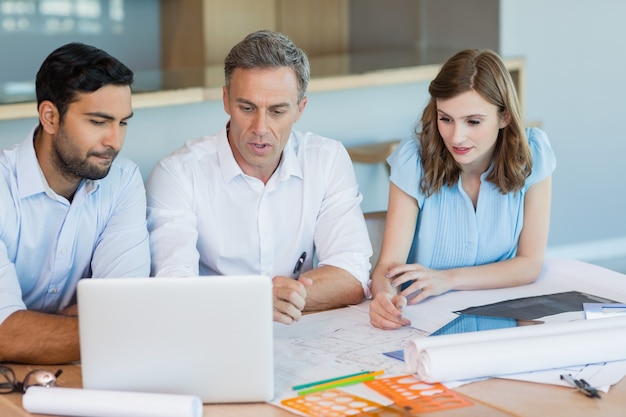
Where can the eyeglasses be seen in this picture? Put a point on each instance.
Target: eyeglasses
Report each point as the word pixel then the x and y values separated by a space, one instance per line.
pixel 38 377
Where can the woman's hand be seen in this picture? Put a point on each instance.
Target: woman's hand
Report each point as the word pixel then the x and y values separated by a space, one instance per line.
pixel 386 311
pixel 424 282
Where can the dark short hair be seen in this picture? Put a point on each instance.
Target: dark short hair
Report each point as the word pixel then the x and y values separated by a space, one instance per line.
pixel 268 49
pixel 77 68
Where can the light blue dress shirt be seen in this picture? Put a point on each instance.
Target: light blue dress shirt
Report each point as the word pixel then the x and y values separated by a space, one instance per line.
pixel 449 232
pixel 47 243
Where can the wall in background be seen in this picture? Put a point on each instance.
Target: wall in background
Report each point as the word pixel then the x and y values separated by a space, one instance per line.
pixel 353 116
pixel 30 30
pixel 574 88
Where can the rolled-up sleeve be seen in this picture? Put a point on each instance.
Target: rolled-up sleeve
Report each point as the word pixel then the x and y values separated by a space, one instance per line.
pixel 10 292
pixel 341 237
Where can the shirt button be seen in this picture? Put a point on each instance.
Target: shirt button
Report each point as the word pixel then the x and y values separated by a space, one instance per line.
pixel 54 291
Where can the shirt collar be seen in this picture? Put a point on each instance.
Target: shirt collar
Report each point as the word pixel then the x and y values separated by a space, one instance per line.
pixel 27 164
pixel 288 165
pixel 229 166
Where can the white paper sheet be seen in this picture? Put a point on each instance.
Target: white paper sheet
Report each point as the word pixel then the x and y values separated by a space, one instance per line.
pixel 342 341
pixel 99 403
pixel 558 275
pixel 514 350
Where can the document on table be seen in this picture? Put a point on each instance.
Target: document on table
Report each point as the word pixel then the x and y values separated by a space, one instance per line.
pixel 599 375
pixel 559 276
pixel 342 341
pixel 333 343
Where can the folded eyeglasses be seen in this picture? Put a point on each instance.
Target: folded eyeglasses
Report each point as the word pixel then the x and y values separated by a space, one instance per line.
pixel 37 377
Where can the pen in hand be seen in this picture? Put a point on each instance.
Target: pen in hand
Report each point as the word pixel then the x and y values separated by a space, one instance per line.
pixel 298 267
pixel 582 385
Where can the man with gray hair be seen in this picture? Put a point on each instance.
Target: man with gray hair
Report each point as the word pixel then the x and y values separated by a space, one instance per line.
pixel 258 196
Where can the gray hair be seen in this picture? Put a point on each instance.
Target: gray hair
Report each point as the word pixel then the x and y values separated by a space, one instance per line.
pixel 268 49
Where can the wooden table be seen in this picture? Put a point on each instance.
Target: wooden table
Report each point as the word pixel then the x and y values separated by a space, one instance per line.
pixel 499 398
pixel 492 397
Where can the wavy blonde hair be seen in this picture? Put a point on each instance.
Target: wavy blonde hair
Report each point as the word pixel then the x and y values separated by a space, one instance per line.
pixel 484 72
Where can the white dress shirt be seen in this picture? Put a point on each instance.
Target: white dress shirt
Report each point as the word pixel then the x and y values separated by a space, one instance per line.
pixel 206 217
pixel 47 243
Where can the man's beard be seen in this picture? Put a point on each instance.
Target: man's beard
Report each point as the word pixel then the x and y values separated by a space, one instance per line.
pixel 70 163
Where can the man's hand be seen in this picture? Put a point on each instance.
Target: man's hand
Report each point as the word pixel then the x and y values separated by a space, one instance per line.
pixel 289 298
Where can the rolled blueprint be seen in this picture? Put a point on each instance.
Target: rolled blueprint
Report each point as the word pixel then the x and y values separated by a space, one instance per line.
pixel 100 403
pixel 500 352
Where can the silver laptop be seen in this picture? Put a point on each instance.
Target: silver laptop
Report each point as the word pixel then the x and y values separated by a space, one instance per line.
pixel 205 336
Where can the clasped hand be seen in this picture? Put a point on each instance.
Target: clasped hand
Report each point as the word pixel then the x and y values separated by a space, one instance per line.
pixel 289 298
pixel 386 308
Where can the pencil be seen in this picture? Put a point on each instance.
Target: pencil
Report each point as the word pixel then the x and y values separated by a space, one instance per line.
pixel 342 382
pixel 325 381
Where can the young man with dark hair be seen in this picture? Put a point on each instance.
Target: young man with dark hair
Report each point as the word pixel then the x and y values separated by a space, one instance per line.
pixel 70 209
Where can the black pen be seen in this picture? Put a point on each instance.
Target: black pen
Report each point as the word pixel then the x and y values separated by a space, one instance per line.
pixel 582 385
pixel 298 267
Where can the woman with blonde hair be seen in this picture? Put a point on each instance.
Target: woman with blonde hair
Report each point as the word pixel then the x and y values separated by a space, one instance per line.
pixel 469 196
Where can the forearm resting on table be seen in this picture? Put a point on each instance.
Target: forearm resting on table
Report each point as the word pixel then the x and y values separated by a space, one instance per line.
pixel 39 338
pixel 332 287
pixel 520 270
pixel 509 273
